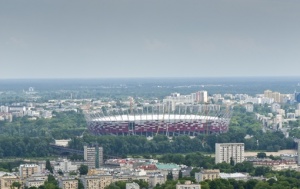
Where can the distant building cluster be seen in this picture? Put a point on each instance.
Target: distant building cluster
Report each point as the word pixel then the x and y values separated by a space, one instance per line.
pixel 177 99
pixel 23 109
pixel 176 115
pixel 34 110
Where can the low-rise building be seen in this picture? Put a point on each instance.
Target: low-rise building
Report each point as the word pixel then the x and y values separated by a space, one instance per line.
pixel 188 185
pixel 236 176
pixel 207 174
pixel 277 165
pixel 151 168
pixel 65 166
pixel 97 182
pixel 26 170
pixel 132 185
pixel 156 179
pixel 249 107
pixel 68 183
pixel 130 178
pixel 166 168
pixel 7 181
pixel 34 182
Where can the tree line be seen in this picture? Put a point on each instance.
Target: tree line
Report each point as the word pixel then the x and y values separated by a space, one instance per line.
pixel 26 138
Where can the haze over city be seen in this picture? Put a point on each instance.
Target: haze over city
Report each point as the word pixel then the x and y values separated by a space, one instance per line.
pixel 130 38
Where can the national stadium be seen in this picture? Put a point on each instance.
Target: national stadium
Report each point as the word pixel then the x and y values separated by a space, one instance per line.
pixel 185 120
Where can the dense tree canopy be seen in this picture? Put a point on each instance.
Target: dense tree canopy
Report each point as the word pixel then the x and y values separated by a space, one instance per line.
pixel 25 138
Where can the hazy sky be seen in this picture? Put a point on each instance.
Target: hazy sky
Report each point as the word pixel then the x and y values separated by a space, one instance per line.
pixel 149 38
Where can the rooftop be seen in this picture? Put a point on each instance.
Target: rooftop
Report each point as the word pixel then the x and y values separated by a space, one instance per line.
pixel 146 117
pixel 167 166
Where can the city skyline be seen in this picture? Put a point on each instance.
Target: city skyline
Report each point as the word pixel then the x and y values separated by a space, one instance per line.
pixel 136 39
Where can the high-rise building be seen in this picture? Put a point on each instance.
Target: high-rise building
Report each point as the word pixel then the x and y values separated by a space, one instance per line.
pixel 268 93
pixel 176 99
pixel 297 97
pixel 227 151
pixel 201 96
pixel 93 156
pixel 276 96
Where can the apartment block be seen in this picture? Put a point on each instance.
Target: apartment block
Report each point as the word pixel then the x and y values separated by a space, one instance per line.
pixel 26 170
pixel 93 156
pixel 207 174
pixel 65 166
pixel 34 182
pixel 97 182
pixel 7 181
pixel 68 183
pixel 225 151
pixel 156 179
pixel 201 96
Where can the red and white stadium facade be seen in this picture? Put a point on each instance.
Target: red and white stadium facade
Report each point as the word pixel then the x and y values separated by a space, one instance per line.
pixel 152 124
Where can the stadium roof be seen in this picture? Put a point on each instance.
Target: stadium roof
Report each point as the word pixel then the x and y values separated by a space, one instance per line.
pixel 146 117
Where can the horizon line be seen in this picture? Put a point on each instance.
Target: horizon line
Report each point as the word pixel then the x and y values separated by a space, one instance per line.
pixel 154 77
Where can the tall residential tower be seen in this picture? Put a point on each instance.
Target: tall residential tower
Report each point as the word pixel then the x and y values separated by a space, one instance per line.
pixel 93 156
pixel 227 151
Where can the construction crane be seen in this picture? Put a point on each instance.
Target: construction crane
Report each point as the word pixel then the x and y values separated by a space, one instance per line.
pixel 131 104
pixel 162 122
pixel 206 111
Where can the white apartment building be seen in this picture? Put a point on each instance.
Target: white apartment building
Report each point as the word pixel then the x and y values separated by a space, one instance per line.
pixel 249 107
pixel 132 185
pixel 267 100
pixel 34 182
pixel 65 166
pixel 176 99
pixel 225 151
pixel 4 109
pixel 201 96
pixel 93 156
pixel 275 107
